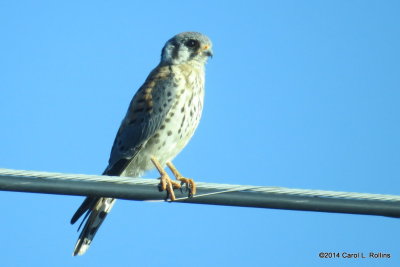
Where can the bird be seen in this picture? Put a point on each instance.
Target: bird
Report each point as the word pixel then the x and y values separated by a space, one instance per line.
pixel 161 119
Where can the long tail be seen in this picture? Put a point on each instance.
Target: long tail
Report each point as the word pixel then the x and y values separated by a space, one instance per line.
pixel 97 210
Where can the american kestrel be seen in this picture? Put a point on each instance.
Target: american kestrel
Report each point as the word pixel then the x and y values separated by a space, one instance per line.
pixel 161 119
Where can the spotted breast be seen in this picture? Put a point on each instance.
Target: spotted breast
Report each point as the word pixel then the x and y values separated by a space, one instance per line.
pixel 185 101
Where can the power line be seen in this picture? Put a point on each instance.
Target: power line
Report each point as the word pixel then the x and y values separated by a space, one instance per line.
pixel 207 193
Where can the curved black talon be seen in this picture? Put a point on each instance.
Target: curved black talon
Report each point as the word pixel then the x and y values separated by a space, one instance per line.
pixel 187 187
pixel 190 195
pixel 159 187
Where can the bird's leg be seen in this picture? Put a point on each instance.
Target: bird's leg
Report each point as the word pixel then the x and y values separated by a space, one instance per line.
pixel 166 183
pixel 190 185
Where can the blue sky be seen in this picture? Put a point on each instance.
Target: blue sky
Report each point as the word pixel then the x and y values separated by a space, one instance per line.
pixel 300 94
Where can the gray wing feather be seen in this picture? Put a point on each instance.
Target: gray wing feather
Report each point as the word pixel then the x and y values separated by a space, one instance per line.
pixel 144 117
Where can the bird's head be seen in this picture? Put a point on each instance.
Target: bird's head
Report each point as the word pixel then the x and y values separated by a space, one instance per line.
pixel 187 47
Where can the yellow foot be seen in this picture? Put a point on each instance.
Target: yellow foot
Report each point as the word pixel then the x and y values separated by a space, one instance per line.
pixel 190 185
pixel 166 183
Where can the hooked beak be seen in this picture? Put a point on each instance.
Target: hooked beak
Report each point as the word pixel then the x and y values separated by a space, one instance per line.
pixel 209 53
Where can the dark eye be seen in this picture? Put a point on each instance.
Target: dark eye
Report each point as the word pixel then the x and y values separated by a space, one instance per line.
pixel 192 43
